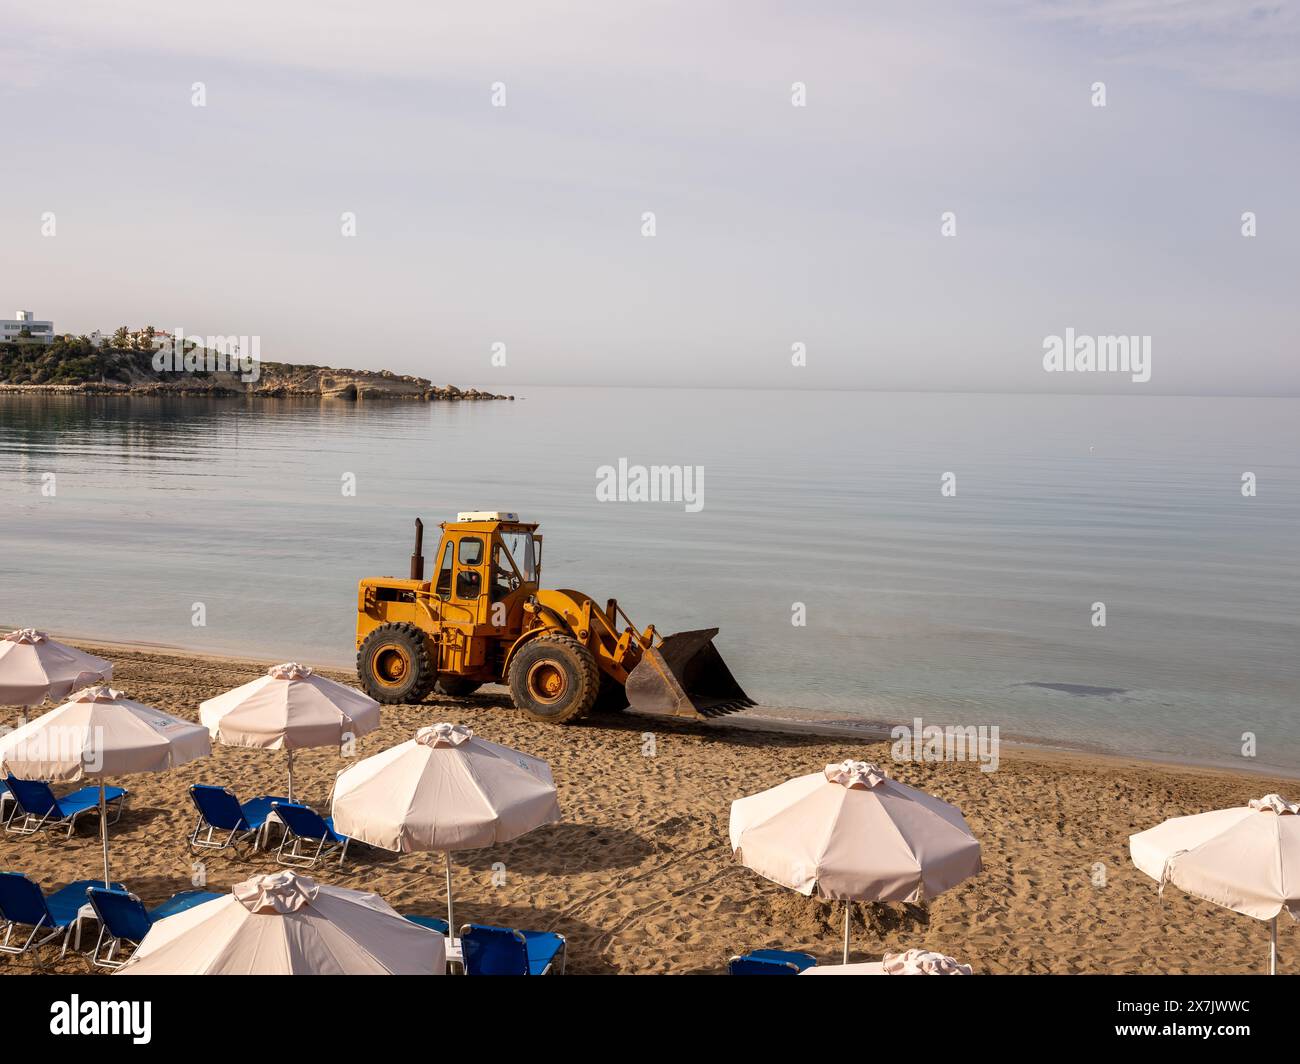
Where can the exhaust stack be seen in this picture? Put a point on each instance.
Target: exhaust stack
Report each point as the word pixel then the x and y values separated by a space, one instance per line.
pixel 417 558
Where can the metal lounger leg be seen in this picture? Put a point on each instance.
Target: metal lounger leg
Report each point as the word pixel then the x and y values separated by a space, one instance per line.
pixel 120 805
pixel 26 829
pixel 99 943
pixel 294 855
pixel 28 943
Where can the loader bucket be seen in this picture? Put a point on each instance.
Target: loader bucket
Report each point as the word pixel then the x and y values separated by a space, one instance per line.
pixel 685 676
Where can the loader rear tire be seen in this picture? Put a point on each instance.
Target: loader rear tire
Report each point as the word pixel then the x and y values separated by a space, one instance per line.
pixel 394 666
pixel 554 679
pixel 455 686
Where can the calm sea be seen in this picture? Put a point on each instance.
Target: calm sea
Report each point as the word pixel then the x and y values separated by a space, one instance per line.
pixel 973 608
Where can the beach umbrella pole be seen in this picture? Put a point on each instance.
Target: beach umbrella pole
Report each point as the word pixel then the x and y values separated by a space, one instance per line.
pixel 1272 949
pixel 846 931
pixel 290 753
pixel 103 829
pixel 451 916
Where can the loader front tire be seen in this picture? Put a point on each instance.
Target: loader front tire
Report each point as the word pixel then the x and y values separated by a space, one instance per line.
pixel 394 666
pixel 554 679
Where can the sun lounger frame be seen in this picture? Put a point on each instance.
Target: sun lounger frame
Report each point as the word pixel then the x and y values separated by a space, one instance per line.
pixel 237 835
pixel 107 960
pixel 293 856
pixel 116 804
pixel 45 922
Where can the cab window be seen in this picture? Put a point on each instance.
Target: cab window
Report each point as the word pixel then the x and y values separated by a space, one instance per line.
pixel 469 581
pixel 443 586
pixel 520 546
pixel 505 577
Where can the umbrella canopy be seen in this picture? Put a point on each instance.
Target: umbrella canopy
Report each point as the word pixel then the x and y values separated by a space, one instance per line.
pixel 851 833
pixel 100 733
pixel 287 924
pixel 34 667
pixel 911 962
pixel 864 968
pixel 1246 859
pixel 290 708
pixel 444 790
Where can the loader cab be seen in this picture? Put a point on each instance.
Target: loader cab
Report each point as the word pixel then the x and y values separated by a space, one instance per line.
pixel 488 565
pixel 460 569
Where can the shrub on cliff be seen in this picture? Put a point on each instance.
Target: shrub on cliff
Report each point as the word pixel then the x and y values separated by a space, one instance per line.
pixel 67 360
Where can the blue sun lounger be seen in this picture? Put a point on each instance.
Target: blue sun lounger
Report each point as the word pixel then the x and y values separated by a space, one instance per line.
pixel 770 962
pixel 505 951
pixel 123 918
pixel 24 905
pixel 224 820
pixel 35 806
pixel 433 923
pixel 307 836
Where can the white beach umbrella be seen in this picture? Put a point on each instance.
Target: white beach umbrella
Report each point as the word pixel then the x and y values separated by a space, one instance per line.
pixel 444 790
pixel 909 962
pixel 98 734
pixel 287 924
pixel 34 667
pixel 850 833
pixel 290 708
pixel 1246 859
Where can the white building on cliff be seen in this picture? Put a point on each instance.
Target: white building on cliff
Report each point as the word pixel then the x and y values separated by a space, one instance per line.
pixel 25 327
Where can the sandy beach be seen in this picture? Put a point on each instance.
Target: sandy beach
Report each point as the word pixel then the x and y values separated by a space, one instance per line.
pixel 640 878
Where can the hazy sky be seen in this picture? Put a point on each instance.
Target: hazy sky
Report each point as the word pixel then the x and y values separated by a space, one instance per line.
pixel 775 224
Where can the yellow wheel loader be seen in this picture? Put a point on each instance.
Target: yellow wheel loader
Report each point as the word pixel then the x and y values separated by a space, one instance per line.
pixel 485 618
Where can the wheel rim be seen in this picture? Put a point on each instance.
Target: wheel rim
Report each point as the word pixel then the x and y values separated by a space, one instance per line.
pixel 547 683
pixel 391 665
